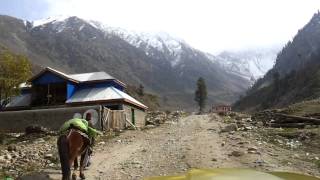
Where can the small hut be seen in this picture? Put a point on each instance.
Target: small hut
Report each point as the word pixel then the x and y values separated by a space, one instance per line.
pixel 221 109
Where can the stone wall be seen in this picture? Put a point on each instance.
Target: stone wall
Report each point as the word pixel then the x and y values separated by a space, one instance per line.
pixel 17 121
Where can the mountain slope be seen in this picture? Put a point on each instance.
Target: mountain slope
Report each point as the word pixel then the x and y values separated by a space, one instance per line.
pixel 165 66
pixel 295 76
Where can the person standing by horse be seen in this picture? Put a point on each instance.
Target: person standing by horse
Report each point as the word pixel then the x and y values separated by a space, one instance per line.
pixel 92 140
pixel 74 140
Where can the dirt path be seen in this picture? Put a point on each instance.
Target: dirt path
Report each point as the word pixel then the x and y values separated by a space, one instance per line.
pixel 175 147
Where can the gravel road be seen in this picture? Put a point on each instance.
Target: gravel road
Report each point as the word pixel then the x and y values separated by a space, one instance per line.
pixel 192 142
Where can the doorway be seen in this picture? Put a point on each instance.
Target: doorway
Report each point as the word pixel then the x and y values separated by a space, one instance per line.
pixel 133 117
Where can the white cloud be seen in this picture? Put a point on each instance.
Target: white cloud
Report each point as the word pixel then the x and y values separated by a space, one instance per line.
pixel 209 25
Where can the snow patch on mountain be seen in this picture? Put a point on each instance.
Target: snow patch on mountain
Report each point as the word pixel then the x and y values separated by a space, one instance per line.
pixel 160 41
pixel 251 64
pixel 59 18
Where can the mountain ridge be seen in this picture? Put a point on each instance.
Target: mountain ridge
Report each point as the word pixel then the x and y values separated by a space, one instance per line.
pixel 165 42
pixel 76 45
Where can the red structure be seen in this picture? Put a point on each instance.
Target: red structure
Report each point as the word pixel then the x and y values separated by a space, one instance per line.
pixel 221 108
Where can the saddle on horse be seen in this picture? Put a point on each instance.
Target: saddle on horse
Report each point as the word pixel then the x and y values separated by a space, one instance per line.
pixel 81 125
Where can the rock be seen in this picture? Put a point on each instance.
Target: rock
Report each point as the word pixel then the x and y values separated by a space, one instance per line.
pixel 252 149
pixel 271 154
pixel 143 150
pixel 35 129
pixel 15 155
pixel 2 159
pixel 296 156
pixel 230 127
pixel 242 142
pixel 214 159
pixel 247 128
pixel 101 143
pixel 279 141
pixel 237 153
pixel 48 156
pixel 259 162
pixel 223 143
pixel 259 124
pixel 254 152
pixel 149 126
pixel 8 157
pixel 211 129
pixel 40 140
pixel 12 148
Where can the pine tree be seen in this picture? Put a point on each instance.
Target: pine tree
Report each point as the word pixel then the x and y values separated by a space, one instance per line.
pixel 201 94
pixel 141 90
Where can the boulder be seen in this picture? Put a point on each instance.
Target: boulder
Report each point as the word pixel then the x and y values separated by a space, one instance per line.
pixel 35 129
pixel 230 127
pixel 237 153
pixel 12 148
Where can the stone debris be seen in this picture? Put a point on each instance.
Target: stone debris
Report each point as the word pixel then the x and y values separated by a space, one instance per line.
pixel 230 128
pixel 223 143
pixel 259 162
pixel 253 150
pixel 27 154
pixel 156 118
pixel 237 153
pixel 35 129
pixel 214 159
pixel 101 143
pixel 242 139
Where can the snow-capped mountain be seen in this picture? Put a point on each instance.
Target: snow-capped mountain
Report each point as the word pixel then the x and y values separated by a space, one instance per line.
pixel 161 41
pixel 250 64
pixel 55 19
pixel 164 65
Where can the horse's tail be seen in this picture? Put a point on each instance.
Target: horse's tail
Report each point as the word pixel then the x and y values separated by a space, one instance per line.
pixel 63 148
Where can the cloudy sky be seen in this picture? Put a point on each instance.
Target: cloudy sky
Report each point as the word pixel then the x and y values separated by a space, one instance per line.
pixel 209 25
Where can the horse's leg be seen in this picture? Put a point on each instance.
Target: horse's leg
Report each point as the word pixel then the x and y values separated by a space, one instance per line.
pixel 73 157
pixel 76 144
pixel 63 149
pixel 75 163
pixel 83 163
pixel 71 161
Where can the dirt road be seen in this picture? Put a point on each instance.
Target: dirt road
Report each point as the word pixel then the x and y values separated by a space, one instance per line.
pixel 192 142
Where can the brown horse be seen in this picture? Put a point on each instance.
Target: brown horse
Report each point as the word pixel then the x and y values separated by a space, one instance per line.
pixel 70 146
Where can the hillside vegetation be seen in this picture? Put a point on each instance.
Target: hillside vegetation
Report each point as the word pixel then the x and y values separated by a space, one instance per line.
pixel 295 76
